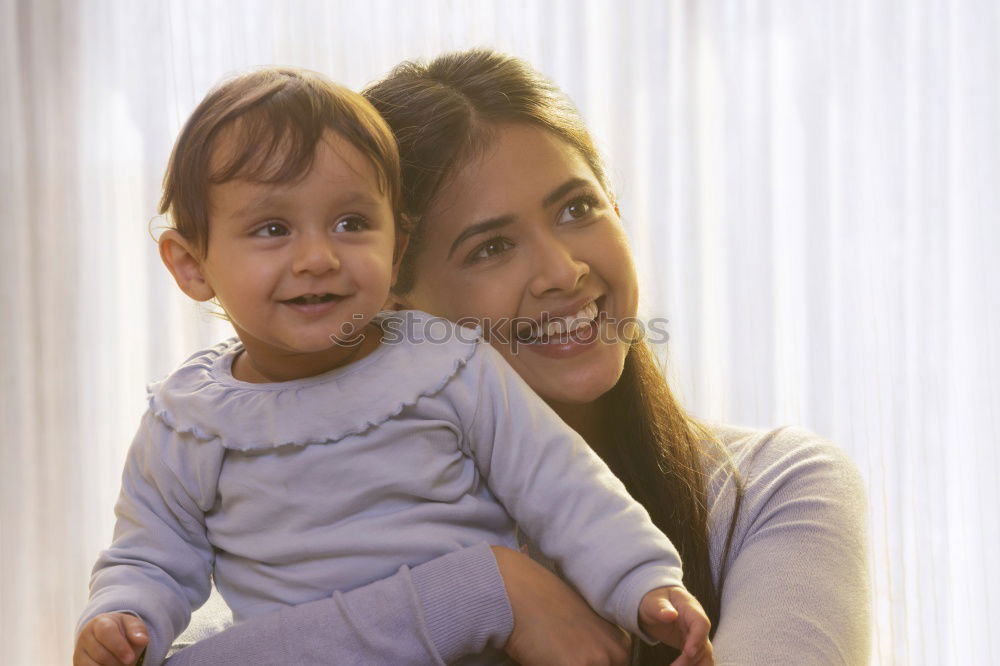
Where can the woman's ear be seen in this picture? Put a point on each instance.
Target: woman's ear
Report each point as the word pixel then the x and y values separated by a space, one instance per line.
pixel 183 263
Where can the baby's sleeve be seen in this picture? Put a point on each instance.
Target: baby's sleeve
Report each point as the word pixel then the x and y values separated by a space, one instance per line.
pixel 435 613
pixel 560 492
pixel 160 561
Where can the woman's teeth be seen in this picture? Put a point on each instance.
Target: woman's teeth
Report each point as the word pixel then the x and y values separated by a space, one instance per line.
pixel 558 327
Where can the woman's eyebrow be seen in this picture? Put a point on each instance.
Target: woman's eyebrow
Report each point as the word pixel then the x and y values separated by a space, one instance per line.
pixel 480 227
pixel 561 191
pixel 503 220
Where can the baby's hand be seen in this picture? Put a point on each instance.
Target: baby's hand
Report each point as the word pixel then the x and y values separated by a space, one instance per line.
pixel 111 639
pixel 672 616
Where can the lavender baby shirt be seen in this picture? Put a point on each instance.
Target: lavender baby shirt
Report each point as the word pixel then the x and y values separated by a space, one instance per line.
pixel 288 492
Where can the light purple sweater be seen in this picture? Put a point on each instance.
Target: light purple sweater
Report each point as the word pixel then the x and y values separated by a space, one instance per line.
pixel 287 492
pixel 796 587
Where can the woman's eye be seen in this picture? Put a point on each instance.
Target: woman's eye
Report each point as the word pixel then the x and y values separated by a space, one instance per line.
pixel 578 208
pixel 351 224
pixel 271 230
pixel 490 248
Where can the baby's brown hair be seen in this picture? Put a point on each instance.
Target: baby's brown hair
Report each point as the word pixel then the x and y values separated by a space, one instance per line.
pixel 276 116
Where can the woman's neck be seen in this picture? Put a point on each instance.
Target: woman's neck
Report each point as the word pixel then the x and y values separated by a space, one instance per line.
pixel 589 420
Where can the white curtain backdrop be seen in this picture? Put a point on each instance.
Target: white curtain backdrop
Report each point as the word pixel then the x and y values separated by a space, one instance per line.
pixel 811 189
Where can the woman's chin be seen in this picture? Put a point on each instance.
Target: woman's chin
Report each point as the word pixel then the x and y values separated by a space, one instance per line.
pixel 577 395
pixel 567 382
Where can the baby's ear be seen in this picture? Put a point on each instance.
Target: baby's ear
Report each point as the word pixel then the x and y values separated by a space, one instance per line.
pixel 183 263
pixel 399 249
pixel 392 304
pixel 395 301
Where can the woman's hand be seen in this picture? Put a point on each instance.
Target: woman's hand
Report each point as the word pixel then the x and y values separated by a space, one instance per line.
pixel 553 625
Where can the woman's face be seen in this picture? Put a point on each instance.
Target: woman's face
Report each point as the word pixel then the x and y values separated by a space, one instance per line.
pixel 525 241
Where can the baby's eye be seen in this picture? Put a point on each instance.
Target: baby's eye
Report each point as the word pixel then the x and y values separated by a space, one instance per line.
pixel 490 248
pixel 271 230
pixel 578 208
pixel 351 224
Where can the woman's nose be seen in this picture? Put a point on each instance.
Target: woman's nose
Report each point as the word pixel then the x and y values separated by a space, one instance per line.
pixel 556 269
pixel 315 254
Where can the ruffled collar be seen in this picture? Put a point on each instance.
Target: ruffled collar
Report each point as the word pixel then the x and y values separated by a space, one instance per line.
pixel 418 355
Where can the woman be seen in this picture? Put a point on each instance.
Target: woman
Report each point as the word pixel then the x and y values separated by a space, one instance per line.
pixel 515 222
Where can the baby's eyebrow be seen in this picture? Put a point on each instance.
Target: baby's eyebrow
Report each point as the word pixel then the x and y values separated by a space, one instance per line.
pixel 255 204
pixel 359 198
pixel 277 199
pixel 479 228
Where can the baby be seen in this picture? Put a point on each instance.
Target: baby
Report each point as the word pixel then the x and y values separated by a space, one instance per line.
pixel 329 443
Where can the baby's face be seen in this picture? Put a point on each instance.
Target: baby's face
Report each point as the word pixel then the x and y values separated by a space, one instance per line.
pixel 301 267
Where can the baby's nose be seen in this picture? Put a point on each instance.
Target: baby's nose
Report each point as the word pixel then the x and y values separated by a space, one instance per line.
pixel 313 255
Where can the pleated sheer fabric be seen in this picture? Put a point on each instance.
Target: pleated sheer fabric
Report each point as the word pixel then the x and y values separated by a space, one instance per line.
pixel 811 190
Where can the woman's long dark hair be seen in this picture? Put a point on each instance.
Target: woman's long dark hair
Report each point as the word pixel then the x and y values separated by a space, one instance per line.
pixel 446 112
